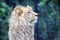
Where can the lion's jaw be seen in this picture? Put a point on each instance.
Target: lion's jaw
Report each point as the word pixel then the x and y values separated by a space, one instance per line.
pixel 24 22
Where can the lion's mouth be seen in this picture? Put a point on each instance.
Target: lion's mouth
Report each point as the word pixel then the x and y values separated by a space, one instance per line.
pixel 33 20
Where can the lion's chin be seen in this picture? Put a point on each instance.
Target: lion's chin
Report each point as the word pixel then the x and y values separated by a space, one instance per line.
pixel 35 21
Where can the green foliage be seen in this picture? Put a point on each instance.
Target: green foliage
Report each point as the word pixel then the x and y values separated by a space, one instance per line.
pixel 57 1
pixel 5 12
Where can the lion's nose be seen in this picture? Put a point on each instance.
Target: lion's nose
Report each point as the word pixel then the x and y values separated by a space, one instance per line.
pixel 36 14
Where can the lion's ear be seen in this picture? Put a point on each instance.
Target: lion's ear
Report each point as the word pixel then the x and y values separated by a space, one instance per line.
pixel 18 10
pixel 29 7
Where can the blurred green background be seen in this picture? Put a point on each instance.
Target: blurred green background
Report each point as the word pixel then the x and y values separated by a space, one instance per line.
pixel 48 25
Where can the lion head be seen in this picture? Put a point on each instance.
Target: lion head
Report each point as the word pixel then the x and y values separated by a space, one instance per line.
pixel 25 14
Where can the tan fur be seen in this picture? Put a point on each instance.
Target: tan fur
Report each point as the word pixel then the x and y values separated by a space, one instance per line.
pixel 22 23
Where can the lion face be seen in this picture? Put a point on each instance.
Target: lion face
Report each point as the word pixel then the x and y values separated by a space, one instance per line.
pixel 26 13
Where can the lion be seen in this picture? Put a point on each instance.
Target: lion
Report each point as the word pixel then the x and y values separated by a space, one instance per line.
pixel 21 22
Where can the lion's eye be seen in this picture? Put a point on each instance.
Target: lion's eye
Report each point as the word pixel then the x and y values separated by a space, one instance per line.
pixel 28 12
